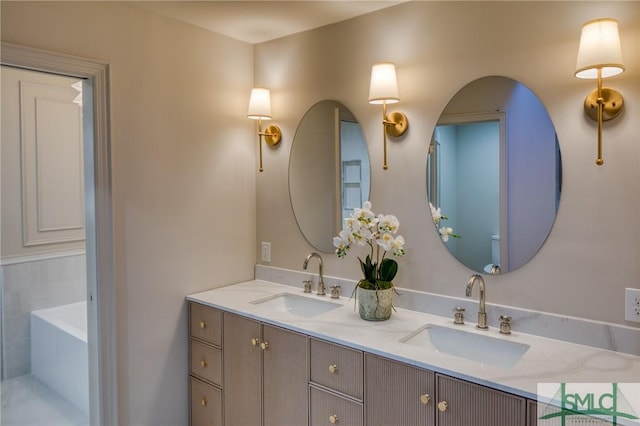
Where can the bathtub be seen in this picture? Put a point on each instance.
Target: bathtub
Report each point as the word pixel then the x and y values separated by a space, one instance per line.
pixel 59 356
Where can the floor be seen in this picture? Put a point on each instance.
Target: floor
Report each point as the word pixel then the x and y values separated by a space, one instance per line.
pixel 26 401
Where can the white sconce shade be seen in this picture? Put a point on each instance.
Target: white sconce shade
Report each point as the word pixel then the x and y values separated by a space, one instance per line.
pixel 259 104
pixel 384 84
pixel 599 49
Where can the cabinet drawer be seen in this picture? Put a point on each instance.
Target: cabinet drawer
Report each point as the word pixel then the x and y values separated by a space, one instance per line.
pixel 328 409
pixel 206 362
pixel 206 404
pixel 205 323
pixel 337 367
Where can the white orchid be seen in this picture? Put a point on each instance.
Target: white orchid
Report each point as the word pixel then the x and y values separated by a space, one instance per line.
pixel 385 241
pixel 397 248
pixel 364 228
pixel 388 223
pixel 445 231
pixel 436 214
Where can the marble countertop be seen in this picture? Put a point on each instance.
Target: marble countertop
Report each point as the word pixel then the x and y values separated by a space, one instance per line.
pixel 546 361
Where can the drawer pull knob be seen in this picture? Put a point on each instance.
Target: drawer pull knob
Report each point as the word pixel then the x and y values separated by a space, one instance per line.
pixel 203 402
pixel 264 346
pixel 333 419
pixel 442 406
pixel 203 324
pixel 203 363
pixel 425 398
pixel 333 369
pixel 254 342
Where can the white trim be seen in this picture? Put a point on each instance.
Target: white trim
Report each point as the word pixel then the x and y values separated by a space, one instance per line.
pixel 99 219
pixel 25 258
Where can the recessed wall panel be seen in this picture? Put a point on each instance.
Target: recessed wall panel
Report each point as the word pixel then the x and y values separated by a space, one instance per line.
pixel 51 145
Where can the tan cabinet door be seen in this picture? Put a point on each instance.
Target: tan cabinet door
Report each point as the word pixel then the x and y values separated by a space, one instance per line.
pixel 463 403
pixel 398 394
pixel 242 371
pixel 285 377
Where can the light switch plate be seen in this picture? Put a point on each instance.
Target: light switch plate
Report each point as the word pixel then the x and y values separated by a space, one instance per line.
pixel 632 304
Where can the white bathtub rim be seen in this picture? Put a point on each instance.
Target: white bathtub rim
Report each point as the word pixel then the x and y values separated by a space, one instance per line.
pixel 76 327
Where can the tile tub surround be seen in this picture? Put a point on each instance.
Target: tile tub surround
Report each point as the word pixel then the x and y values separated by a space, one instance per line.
pixel 613 337
pixel 546 361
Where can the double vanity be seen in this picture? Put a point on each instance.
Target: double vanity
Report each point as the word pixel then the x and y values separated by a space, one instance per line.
pixel 271 354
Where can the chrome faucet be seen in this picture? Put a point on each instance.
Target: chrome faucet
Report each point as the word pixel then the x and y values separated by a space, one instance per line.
pixel 321 291
pixel 482 314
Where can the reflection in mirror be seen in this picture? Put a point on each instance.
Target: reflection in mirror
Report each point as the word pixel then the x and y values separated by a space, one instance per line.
pixel 494 172
pixel 329 172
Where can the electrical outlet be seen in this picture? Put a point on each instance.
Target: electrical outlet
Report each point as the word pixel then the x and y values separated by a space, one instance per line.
pixel 632 304
pixel 266 252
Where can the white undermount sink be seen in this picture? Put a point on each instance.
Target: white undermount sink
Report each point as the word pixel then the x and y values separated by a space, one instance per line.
pixel 295 304
pixel 473 346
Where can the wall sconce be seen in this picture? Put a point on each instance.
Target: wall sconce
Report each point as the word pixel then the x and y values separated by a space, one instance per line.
pixel 260 109
pixel 384 90
pixel 600 56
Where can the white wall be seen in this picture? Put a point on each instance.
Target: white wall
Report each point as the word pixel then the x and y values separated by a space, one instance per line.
pixel 183 159
pixel 592 253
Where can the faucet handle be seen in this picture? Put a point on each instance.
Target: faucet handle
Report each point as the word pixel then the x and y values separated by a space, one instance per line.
pixel 307 285
pixel 458 316
pixel 335 291
pixel 505 324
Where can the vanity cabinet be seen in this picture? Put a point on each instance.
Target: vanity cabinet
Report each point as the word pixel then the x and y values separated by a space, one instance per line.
pixel 245 372
pixel 205 356
pixel 265 374
pixel 336 385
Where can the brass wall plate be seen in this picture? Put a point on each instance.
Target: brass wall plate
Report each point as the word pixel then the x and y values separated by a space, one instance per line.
pixel 272 135
pixel 613 103
pixel 396 124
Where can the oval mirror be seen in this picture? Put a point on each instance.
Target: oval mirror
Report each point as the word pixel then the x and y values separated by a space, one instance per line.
pixel 329 172
pixel 494 175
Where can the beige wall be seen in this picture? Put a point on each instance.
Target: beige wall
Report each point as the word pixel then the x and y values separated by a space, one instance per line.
pixel 592 252
pixel 183 174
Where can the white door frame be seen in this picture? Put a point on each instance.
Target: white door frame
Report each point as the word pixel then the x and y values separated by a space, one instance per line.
pixel 99 219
